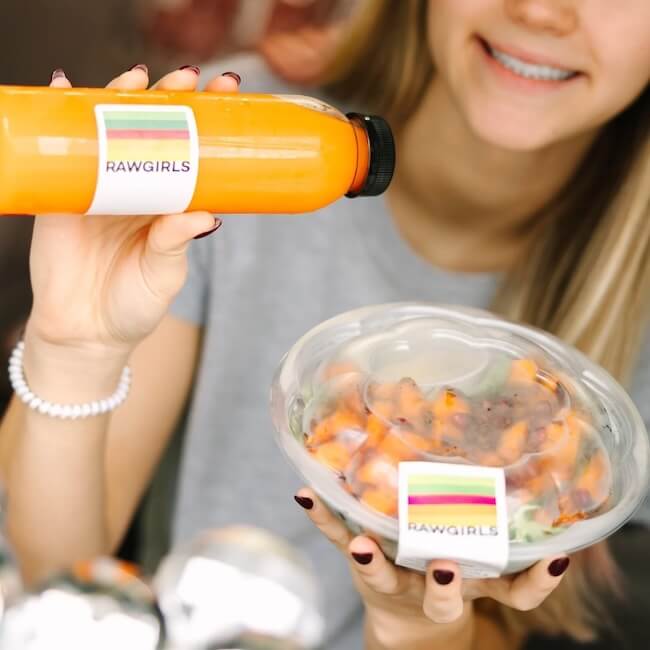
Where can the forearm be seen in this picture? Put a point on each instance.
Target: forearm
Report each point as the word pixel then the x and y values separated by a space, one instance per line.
pixel 55 469
pixel 386 632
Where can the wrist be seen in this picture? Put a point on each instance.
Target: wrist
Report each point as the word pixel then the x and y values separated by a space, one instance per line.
pixel 385 630
pixel 71 373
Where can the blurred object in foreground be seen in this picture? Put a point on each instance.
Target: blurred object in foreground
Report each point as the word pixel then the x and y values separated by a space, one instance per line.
pixel 100 605
pixel 296 37
pixel 239 587
pixel 198 29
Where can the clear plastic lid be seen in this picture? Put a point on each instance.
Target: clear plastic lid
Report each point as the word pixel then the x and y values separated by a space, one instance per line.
pixel 416 382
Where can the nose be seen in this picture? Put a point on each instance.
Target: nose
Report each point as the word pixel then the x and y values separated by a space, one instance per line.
pixel 556 17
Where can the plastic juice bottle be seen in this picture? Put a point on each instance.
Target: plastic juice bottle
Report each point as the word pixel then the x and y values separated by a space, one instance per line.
pixel 92 151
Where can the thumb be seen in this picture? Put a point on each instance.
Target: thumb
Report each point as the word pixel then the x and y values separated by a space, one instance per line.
pixel 164 260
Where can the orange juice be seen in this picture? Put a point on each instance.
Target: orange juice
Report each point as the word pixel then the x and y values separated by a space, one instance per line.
pixel 92 151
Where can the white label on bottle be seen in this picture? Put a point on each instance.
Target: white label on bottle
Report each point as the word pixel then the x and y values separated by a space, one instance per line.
pixel 148 159
pixel 453 512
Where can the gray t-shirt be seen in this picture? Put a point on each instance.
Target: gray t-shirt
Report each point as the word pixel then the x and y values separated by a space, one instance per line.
pixel 255 287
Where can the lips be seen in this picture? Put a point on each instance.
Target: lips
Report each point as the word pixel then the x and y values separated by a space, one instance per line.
pixel 526 68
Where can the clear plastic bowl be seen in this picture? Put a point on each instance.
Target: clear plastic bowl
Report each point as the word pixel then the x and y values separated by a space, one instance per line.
pixel 499 376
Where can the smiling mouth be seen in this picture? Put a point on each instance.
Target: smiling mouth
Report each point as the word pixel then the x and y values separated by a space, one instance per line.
pixel 526 69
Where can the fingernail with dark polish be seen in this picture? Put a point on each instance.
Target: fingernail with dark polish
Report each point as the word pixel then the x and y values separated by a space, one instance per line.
pixel 194 68
pixel 140 66
pixel 362 558
pixel 217 225
pixel 443 577
pixel 304 502
pixel 58 74
pixel 234 75
pixel 559 566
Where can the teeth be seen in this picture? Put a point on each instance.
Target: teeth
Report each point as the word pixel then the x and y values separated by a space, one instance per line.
pixel 530 70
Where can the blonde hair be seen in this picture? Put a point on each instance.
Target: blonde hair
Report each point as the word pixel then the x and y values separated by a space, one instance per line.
pixel 587 279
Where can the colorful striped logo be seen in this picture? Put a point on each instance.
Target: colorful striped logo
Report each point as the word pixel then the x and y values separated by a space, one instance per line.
pixel 451 500
pixel 147 135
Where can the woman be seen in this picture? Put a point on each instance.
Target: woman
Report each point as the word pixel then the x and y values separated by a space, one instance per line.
pixel 523 184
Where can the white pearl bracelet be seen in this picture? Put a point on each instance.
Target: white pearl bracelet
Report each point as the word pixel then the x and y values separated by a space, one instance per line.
pixel 63 411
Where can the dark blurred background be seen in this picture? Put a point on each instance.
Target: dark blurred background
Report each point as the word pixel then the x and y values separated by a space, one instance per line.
pixel 89 40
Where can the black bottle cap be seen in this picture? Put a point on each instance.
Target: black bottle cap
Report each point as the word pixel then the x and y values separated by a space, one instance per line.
pixel 381 152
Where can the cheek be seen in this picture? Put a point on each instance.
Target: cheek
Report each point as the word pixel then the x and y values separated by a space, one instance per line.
pixel 619 88
pixel 453 21
pixel 621 51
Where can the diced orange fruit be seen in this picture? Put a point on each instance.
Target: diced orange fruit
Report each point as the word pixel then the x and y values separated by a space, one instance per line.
pixel 491 459
pixel 400 425
pixel 404 446
pixel 376 430
pixel 384 501
pixel 327 429
pixel 345 419
pixel 322 432
pixel 595 478
pixel 513 442
pixel 410 401
pixel 540 483
pixel 383 391
pixel 382 408
pixel 555 433
pixel 447 403
pixel 564 520
pixel 333 454
pixel 565 456
pixel 445 406
pixel 547 381
pixel 445 431
pixel 378 471
pixel 523 371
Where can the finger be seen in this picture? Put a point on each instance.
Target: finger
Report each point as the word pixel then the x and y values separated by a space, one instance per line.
pixel 59 80
pixel 186 78
pixel 332 527
pixel 443 601
pixel 164 261
pixel 136 78
pixel 375 570
pixel 529 589
pixel 171 235
pixel 228 82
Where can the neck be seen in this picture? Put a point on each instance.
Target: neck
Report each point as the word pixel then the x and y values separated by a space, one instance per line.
pixel 465 204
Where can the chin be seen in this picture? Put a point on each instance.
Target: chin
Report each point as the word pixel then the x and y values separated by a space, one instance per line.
pixel 525 133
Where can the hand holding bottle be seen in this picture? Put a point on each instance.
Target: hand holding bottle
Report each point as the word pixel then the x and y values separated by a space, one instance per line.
pixel 102 284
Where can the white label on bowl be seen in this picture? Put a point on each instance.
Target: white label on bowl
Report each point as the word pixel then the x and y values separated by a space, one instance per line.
pixel 453 512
